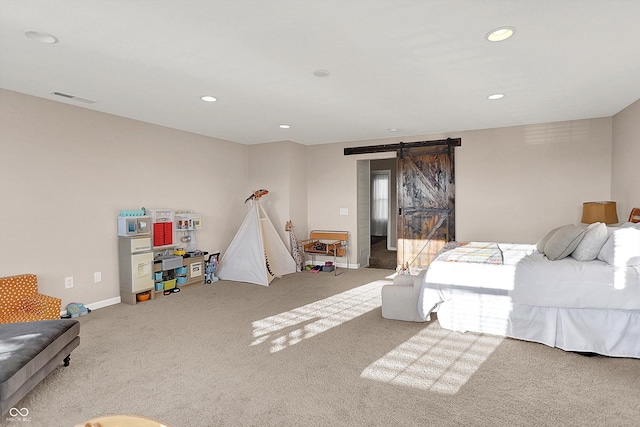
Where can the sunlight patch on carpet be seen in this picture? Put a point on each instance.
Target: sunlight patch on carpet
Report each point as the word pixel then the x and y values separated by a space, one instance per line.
pixel 434 359
pixel 289 328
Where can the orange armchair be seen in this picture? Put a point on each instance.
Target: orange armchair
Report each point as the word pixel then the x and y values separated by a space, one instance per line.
pixel 21 302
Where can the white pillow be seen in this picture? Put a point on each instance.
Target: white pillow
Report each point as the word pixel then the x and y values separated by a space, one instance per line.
pixel 611 229
pixel 622 248
pixel 594 238
pixel 631 225
pixel 563 242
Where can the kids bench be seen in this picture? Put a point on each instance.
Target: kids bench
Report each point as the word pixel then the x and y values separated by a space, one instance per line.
pixel 327 243
pixel 29 351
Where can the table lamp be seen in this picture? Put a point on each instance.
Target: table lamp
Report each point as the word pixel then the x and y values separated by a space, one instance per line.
pixel 599 212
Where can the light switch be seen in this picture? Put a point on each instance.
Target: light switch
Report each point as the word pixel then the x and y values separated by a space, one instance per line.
pixel 344 211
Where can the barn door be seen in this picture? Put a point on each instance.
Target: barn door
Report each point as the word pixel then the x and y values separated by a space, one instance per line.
pixel 426 199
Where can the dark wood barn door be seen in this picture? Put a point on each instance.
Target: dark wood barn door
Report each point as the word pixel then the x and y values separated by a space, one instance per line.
pixel 426 199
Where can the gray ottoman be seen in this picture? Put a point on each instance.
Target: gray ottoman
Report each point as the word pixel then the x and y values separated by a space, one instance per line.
pixel 29 352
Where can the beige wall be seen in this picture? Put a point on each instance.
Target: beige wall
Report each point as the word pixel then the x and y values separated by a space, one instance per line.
pixel 515 184
pixel 625 181
pixel 512 184
pixel 298 189
pixel 280 167
pixel 68 171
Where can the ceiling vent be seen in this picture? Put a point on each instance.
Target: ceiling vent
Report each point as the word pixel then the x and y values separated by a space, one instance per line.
pixel 74 97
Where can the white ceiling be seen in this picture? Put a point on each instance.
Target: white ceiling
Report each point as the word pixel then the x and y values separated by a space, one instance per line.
pixel 421 66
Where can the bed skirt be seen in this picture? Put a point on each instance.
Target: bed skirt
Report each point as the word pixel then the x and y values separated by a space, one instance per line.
pixel 613 333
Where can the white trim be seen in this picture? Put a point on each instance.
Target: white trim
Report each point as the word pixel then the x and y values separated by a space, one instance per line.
pixel 104 303
pixel 97 305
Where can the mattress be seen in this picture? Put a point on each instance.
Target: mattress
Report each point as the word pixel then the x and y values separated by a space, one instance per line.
pixel 529 278
pixel 573 305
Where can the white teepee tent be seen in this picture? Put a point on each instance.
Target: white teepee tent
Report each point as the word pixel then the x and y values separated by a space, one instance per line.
pixel 256 254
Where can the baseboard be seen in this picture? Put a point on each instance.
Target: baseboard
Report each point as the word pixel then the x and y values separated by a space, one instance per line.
pixel 104 303
pixel 97 305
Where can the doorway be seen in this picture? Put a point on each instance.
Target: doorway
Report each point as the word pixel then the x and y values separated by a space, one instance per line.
pixel 383 220
pixel 381 204
pixel 424 208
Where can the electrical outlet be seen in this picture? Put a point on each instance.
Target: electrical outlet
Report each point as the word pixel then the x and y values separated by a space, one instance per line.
pixel 97 277
pixel 68 282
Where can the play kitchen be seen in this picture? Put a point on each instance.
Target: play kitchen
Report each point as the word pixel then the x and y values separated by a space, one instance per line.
pixel 172 270
pixel 157 253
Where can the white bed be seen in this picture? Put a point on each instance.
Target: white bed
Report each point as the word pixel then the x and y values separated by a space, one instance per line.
pixel 573 305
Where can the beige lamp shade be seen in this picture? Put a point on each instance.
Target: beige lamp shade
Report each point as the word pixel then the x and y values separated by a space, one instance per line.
pixel 599 212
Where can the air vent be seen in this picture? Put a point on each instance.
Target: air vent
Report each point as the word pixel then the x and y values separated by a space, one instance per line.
pixel 74 97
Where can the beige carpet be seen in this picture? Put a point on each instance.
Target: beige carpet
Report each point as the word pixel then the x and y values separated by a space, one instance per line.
pixel 313 350
pixel 381 257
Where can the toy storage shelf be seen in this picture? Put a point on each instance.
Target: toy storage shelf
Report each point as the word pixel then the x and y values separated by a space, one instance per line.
pixel 193 272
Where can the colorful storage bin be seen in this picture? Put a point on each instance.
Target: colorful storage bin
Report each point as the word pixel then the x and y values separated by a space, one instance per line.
pixel 169 284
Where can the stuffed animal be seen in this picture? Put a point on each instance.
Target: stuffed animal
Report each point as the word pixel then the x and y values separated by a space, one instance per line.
pixel 257 194
pixel 295 249
pixel 403 269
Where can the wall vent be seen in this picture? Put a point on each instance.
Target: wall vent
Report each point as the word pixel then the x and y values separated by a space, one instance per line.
pixel 74 97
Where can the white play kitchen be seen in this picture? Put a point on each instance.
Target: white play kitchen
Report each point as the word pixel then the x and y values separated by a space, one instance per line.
pixel 157 253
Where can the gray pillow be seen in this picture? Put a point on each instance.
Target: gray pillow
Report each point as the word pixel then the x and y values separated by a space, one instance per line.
pixel 563 242
pixel 594 238
pixel 544 240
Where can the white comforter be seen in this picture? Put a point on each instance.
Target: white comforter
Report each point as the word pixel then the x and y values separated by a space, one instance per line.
pixel 529 278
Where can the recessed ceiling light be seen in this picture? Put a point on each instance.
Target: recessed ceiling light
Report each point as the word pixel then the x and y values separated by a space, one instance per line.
pixel 209 98
pixel 41 37
pixel 496 96
pixel 321 73
pixel 393 129
pixel 284 126
pixel 500 34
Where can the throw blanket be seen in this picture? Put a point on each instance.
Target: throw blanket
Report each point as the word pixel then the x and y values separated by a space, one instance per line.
pixel 478 252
